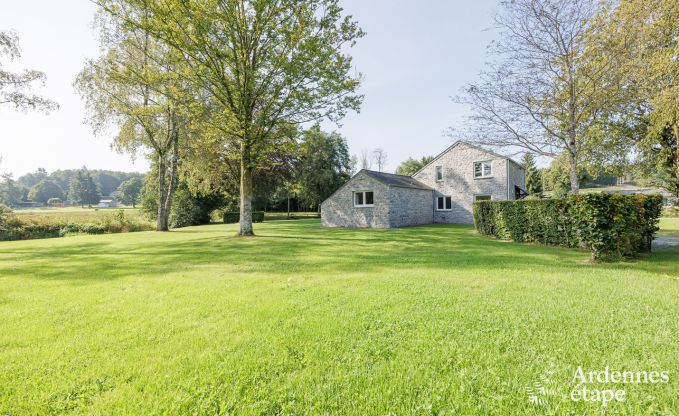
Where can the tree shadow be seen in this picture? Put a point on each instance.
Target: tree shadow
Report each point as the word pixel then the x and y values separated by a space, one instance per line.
pixel 288 249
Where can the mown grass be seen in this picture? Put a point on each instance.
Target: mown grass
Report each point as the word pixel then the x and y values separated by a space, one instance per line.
pixel 305 320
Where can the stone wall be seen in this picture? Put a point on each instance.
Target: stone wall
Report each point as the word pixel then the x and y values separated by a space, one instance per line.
pixel 410 206
pixel 459 182
pixel 339 209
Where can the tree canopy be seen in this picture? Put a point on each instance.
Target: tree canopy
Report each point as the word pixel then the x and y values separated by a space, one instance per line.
pixel 83 190
pixel 409 166
pixel 45 190
pixel 16 88
pixel 259 66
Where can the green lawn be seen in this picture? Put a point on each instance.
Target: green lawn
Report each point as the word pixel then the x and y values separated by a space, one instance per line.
pixel 669 227
pixel 309 321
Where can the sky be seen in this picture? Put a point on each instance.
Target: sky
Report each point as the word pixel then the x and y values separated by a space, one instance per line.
pixel 414 57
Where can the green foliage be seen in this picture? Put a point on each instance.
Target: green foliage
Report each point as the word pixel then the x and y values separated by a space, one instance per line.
pixel 410 165
pixel 106 180
pixel 45 190
pixel 324 165
pixel 83 190
pixel 188 209
pixel 5 211
pixel 259 68
pixel 130 191
pixel 640 36
pixel 16 88
pixel 11 193
pixel 556 177
pixel 234 217
pixel 533 176
pixel 611 226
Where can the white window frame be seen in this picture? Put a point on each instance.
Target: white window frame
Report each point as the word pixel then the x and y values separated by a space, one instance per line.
pixel 450 207
pixel 490 197
pixel 437 170
pixel 483 175
pixel 363 205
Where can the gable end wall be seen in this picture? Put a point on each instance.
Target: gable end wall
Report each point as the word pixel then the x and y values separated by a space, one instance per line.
pixel 459 182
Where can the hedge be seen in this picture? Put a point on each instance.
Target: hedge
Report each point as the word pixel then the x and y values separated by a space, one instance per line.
pixel 234 217
pixel 610 226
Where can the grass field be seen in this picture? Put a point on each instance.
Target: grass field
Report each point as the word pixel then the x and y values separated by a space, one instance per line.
pixel 304 320
pixel 669 227
pixel 75 214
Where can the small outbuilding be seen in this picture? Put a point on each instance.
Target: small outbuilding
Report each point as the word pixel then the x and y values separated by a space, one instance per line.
pixel 107 203
pixel 379 200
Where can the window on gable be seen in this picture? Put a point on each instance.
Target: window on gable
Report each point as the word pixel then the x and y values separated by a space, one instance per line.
pixel 364 199
pixel 439 173
pixel 444 203
pixel 483 169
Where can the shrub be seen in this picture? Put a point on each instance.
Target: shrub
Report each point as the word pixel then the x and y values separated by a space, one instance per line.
pixel 234 217
pixel 611 226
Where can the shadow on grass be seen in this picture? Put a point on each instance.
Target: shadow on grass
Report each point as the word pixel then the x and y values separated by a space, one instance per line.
pixel 290 248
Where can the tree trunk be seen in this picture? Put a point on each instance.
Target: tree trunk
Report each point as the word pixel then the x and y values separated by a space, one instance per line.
pixel 245 193
pixel 573 169
pixel 161 220
pixel 172 182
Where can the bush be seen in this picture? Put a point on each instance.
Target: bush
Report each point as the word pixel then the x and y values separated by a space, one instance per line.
pixel 611 226
pixel 234 217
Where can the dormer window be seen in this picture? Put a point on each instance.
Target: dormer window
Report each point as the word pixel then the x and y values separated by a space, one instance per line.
pixel 483 169
pixel 439 173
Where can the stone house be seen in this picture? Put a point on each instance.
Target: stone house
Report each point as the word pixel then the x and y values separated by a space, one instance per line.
pixel 441 192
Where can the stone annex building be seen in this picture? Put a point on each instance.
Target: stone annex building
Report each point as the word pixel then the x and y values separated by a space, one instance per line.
pixel 441 192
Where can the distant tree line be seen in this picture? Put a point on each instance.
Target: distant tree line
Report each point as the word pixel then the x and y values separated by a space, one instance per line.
pixel 80 186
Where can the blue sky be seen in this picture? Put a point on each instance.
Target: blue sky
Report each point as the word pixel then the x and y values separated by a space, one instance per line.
pixel 414 57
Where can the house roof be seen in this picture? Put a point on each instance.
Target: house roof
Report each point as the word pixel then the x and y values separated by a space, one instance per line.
pixel 391 179
pixel 471 145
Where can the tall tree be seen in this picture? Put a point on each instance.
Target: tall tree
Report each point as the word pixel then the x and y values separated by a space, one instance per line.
pixel 325 165
pixel 134 85
pixel 16 89
pixel 31 179
pixel 409 166
pixel 543 91
pixel 533 176
pixel 130 190
pixel 381 158
pixel 10 191
pixel 44 190
pixel 83 190
pixel 641 36
pixel 263 65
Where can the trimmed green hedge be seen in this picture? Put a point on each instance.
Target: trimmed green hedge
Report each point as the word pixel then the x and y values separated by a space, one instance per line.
pixel 611 226
pixel 234 217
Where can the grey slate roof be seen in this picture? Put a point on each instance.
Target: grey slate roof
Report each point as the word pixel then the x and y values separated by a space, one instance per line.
pixel 390 179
